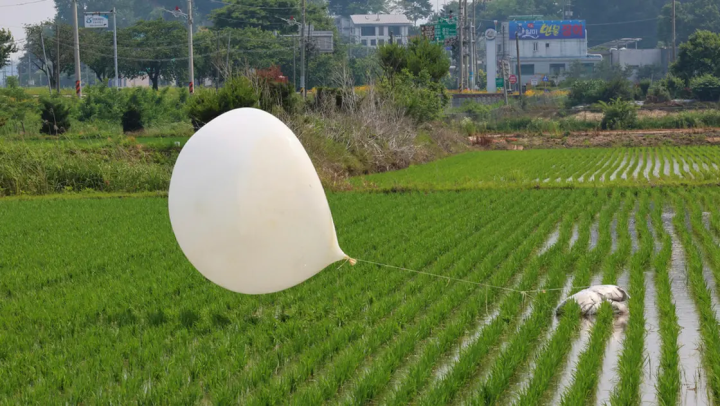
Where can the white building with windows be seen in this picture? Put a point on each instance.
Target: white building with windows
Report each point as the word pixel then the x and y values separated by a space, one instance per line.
pixel 373 30
pixel 547 48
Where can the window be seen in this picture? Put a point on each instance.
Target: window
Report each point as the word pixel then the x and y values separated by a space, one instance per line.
pixel 547 45
pixel 499 50
pixel 396 31
pixel 557 69
pixel 527 69
pixel 364 42
pixel 382 30
pixel 535 46
pixel 367 31
pixel 381 42
pixel 373 42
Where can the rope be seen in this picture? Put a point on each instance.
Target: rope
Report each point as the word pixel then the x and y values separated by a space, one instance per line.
pixel 524 293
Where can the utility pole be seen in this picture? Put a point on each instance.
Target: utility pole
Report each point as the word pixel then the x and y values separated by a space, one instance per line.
pixel 45 61
pixel 673 31
pixel 461 38
pixel 78 80
pixel 191 66
pixel 473 48
pixel 517 46
pixel 117 80
pixel 56 69
pixel 302 53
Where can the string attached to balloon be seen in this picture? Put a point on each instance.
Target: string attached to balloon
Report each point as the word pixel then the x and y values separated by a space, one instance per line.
pixel 451 279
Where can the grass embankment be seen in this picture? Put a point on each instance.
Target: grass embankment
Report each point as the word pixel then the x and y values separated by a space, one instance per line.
pixel 39 165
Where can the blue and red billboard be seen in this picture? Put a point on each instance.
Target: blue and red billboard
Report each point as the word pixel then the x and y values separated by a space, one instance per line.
pixel 542 30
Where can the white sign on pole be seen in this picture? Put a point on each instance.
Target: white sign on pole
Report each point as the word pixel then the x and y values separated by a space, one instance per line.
pixel 534 82
pixel 96 21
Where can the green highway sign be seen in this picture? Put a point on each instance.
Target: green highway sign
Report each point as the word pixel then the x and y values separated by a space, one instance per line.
pixel 445 29
pixel 441 31
pixel 499 82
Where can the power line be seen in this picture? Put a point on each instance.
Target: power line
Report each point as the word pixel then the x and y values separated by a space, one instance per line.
pixel 23 4
pixel 256 7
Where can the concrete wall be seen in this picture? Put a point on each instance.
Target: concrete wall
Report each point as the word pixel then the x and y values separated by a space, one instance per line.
pixel 636 57
pixel 381 33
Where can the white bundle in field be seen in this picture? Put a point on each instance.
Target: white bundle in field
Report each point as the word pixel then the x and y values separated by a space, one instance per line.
pixel 592 298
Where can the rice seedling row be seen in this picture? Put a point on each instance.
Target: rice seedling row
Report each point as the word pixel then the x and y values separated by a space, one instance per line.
pixel 282 381
pixel 558 168
pixel 550 358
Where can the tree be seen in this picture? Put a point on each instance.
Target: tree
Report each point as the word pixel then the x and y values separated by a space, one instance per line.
pixel 97 52
pixel 249 48
pixel 689 17
pixel 50 33
pixel 7 46
pixel 154 48
pixel 415 10
pixel 420 55
pixel 698 56
pixel 346 8
pixel 269 15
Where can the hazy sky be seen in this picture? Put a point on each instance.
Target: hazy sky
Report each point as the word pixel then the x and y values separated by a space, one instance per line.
pixel 15 13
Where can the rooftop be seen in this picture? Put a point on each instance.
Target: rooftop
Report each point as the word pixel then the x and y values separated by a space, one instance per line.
pixel 374 19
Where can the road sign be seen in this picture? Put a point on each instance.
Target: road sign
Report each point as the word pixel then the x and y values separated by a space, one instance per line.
pixel 499 82
pixel 545 79
pixel 445 29
pixel 428 31
pixel 534 81
pixel 96 21
pixel 513 79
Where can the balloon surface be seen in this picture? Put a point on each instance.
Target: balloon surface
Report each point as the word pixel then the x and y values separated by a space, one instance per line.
pixel 247 206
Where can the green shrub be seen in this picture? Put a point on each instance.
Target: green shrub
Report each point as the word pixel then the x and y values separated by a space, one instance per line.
pixel 657 94
pixel 99 102
pixel 593 91
pixel 676 86
pixel 584 92
pixel 617 88
pixel 420 97
pixel 644 86
pixel 132 117
pixel 207 104
pixel 272 94
pixel 705 88
pixel 55 115
pixel 476 111
pixel 618 114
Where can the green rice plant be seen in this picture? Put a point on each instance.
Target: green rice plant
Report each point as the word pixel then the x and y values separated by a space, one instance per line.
pixel 527 336
pixel 275 390
pixel 709 326
pixel 329 385
pixel 585 376
pixel 668 381
pixel 447 388
pixel 632 358
pixel 553 354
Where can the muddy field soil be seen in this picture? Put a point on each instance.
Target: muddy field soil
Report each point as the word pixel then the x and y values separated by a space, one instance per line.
pixel 588 139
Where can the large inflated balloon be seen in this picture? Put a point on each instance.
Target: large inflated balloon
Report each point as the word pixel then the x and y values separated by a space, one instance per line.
pixel 247 206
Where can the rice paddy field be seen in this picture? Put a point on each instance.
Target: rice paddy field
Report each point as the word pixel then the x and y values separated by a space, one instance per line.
pixel 98 305
pixel 592 167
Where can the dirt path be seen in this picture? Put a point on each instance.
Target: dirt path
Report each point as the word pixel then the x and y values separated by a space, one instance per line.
pixel 584 139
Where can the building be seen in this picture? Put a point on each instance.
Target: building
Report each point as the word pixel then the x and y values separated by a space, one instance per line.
pixel 621 53
pixel 547 48
pixel 373 30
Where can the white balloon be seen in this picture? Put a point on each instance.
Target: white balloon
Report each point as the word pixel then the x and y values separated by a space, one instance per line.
pixel 247 207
